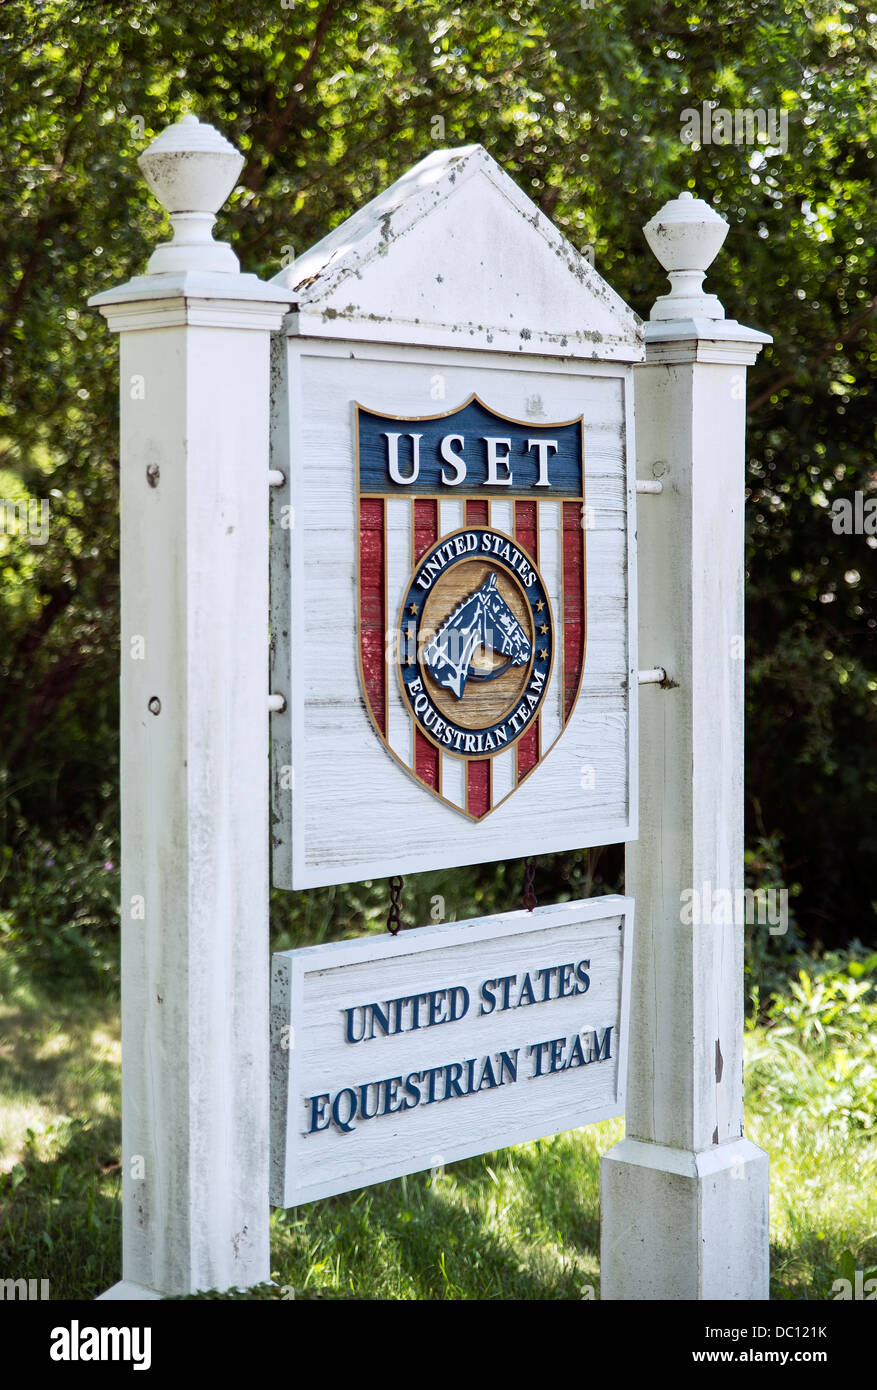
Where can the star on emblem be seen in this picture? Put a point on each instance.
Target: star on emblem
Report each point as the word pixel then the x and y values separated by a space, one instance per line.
pixel 543 655
pixel 539 606
pixel 543 629
pixel 412 609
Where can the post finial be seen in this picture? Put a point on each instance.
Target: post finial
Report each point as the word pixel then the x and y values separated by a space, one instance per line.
pixel 191 169
pixel 686 236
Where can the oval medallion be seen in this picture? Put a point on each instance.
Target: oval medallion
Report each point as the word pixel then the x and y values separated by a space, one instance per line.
pixel 476 642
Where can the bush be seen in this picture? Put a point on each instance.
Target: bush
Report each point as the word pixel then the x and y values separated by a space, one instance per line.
pixel 59 905
pixel 817 1061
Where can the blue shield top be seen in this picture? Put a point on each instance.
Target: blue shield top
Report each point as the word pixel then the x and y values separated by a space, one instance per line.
pixel 471 449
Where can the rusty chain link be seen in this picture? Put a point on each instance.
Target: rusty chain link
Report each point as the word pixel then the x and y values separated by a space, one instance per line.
pixel 394 920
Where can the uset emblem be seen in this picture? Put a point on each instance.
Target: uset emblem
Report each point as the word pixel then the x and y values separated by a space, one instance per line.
pixel 477 643
pixel 472 611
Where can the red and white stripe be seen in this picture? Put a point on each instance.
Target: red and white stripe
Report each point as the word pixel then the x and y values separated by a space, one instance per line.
pixel 394 534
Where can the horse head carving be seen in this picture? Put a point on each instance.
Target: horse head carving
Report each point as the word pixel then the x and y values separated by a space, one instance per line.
pixel 484 619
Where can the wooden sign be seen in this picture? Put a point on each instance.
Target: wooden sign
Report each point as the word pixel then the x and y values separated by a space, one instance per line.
pixel 448 367
pixel 453 623
pixel 395 1054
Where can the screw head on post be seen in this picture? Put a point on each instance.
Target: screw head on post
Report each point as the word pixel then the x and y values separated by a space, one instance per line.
pixel 191 169
pixel 686 235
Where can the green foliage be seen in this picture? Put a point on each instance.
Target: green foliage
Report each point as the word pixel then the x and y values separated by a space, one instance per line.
pixel 59 907
pixel 811 1079
pixel 583 107
pixel 817 1062
pixel 770 948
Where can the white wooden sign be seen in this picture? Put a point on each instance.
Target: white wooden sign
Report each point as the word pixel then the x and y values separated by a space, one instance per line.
pixel 395 1054
pixel 450 368
pixel 453 623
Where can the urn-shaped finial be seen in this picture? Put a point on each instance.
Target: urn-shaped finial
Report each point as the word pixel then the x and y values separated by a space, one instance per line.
pixel 191 169
pixel 686 236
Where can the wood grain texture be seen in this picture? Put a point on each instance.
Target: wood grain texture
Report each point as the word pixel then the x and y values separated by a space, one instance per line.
pixel 684 1197
pixel 425 526
pixel 478 786
pixel 502 515
pixel 313 989
pixel 527 535
pixel 573 615
pixel 427 759
pixel 550 546
pixel 453 515
pixel 503 772
pixel 692 766
pixel 372 596
pixel 453 779
pixel 399 566
pixel 194 800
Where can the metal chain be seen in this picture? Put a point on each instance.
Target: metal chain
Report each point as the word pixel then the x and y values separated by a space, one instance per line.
pixel 394 920
pixel 529 895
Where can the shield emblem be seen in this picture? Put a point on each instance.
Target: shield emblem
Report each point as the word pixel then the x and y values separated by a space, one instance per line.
pixel 472 603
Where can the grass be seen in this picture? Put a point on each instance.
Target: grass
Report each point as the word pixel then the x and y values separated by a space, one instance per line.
pixel 520 1224
pixel 59 1136
pixel 812 1104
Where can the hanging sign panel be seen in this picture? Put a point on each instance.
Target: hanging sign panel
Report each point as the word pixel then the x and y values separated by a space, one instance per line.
pixel 452 622
pixel 395 1054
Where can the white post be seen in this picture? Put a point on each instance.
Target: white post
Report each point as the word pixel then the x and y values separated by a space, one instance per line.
pixel 684 1196
pixel 195 338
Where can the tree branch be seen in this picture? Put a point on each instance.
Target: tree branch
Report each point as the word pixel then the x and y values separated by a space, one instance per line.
pixel 280 121
pixel 44 222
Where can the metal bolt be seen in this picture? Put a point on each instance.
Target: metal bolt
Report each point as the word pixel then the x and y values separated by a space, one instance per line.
pixel 153 473
pixel 155 705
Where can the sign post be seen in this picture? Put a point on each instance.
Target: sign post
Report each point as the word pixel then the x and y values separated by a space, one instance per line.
pixel 684 1196
pixel 195 336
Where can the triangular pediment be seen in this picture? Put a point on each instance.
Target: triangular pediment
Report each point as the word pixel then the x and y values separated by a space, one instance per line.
pixel 453 254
